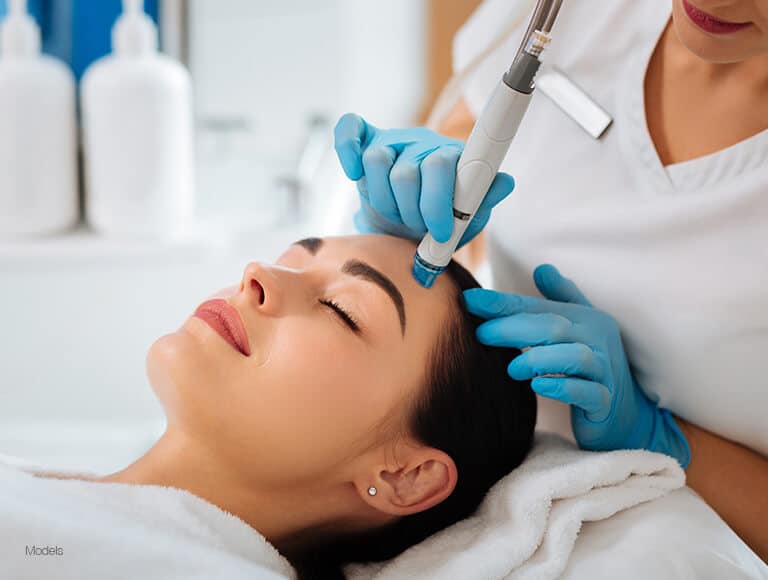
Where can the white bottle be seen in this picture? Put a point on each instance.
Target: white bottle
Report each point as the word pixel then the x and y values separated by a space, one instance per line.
pixel 137 135
pixel 38 134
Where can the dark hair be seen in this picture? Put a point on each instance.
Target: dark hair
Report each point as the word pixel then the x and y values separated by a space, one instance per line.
pixel 472 410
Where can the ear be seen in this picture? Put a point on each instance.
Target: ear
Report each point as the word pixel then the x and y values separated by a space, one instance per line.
pixel 425 476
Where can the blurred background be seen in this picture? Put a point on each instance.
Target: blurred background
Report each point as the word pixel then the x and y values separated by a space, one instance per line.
pixel 80 309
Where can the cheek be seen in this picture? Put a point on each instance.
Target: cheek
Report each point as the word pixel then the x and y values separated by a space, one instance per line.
pixel 319 373
pixel 317 397
pixel 311 403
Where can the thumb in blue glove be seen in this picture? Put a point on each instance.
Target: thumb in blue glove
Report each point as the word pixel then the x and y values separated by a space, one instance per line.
pixel 565 335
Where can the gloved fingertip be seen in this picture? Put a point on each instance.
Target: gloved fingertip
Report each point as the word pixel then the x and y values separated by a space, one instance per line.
pixel 349 134
pixel 545 276
pixel 353 126
pixel 441 232
pixel 472 292
pixel 488 333
pixel 351 159
pixel 546 270
pixel 491 304
pixel 347 118
pixel 501 186
pixel 554 286
pixel 536 383
pixel 437 214
pixel 483 334
pixel 518 371
pixel 477 299
pixel 505 182
pixel 546 387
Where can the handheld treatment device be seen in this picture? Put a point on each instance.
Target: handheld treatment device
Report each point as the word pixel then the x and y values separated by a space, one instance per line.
pixel 489 142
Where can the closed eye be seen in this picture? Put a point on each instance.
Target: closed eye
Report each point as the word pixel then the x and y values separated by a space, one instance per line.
pixel 343 314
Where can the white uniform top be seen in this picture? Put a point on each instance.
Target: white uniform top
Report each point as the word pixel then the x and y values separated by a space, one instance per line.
pixel 677 254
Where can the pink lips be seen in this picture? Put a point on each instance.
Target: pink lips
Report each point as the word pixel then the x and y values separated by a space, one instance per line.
pixel 222 317
pixel 709 23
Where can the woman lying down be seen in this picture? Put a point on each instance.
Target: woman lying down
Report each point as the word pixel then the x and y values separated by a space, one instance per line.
pixel 339 410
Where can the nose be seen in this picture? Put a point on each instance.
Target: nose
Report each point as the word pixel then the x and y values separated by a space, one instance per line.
pixel 261 287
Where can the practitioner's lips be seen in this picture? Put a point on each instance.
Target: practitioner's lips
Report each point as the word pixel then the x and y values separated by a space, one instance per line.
pixel 709 23
pixel 224 318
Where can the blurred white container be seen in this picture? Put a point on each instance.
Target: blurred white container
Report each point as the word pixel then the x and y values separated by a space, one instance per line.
pixel 138 135
pixel 38 160
pixel 264 70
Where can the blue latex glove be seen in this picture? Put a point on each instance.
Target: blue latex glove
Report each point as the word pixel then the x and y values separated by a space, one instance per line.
pixel 405 178
pixel 568 336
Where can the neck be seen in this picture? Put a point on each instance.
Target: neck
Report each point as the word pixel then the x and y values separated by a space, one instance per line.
pixel 176 460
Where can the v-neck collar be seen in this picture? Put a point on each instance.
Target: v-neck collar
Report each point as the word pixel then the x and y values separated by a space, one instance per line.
pixel 731 162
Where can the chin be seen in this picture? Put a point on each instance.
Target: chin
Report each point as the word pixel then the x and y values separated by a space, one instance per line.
pixel 722 50
pixel 711 51
pixel 176 366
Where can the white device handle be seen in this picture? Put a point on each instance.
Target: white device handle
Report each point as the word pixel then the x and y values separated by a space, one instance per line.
pixel 480 161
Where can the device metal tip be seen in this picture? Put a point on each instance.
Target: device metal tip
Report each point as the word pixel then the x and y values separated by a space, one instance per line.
pixel 425 274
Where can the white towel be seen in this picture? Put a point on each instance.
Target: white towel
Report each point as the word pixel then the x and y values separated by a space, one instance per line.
pixel 73 529
pixel 527 525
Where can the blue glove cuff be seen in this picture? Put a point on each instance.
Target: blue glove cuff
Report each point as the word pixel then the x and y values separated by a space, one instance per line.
pixel 664 436
pixel 676 444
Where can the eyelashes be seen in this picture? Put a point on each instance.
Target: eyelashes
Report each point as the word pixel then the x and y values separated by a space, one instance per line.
pixel 345 316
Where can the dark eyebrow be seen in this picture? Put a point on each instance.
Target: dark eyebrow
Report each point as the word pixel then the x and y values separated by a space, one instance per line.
pixel 368 272
pixel 312 245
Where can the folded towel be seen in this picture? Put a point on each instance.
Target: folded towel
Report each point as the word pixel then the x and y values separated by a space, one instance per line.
pixel 527 525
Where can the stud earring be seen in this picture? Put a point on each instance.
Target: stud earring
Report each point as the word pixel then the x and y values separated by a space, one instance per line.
pixel 371 490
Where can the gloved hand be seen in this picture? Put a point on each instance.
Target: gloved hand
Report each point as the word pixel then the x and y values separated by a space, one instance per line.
pixel 405 178
pixel 568 336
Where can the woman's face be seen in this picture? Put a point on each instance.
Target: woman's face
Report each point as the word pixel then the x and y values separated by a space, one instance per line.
pixel 317 386
pixel 722 30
